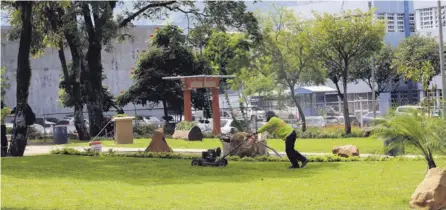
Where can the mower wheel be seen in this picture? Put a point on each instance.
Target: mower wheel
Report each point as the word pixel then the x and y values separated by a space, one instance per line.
pixel 196 163
pixel 223 163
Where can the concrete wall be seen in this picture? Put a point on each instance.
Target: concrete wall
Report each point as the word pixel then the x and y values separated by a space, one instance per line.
pixel 46 71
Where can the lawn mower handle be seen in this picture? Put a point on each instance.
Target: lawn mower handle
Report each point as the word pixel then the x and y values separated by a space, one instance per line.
pixel 250 136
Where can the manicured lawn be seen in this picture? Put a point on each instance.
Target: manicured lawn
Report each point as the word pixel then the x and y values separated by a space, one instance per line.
pixel 79 182
pixel 365 145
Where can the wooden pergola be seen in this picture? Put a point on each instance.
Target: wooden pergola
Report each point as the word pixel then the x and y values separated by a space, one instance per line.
pixel 201 81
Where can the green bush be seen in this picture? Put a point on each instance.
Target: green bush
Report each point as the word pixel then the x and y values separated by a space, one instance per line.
pixel 141 154
pixel 329 132
pixel 144 130
pixel 209 135
pixel 185 125
pixel 8 130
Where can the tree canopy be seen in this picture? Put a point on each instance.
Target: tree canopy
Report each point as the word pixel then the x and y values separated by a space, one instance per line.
pixel 168 55
pixel 412 54
pixel 387 78
pixel 340 39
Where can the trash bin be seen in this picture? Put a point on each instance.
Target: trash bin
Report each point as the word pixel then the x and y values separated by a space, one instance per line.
pixel 397 150
pixel 60 134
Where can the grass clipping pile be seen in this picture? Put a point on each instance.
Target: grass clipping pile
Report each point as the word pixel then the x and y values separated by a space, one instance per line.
pixel 248 149
pixel 158 143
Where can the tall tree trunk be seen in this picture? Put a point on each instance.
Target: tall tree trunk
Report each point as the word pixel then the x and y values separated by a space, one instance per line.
pixel 94 88
pixel 348 127
pixel 72 37
pixel 165 109
pixel 93 71
pixel 19 139
pixel 301 112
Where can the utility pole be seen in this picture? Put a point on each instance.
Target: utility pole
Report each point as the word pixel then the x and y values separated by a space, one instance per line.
pixel 443 82
pixel 372 68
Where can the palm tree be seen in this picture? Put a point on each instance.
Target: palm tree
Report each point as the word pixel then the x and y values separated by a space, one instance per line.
pixel 417 129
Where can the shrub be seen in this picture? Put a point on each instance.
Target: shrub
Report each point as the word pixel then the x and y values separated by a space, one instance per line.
pixel 208 135
pixel 333 131
pixel 144 130
pixel 185 125
pixel 8 130
pixel 141 154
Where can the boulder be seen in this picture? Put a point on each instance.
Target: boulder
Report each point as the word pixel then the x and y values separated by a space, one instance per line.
pixel 346 150
pixel 158 143
pixel 431 192
pixel 194 134
pixel 248 149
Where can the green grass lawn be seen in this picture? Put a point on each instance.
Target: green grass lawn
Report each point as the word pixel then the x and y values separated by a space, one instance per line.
pixel 365 145
pixel 78 182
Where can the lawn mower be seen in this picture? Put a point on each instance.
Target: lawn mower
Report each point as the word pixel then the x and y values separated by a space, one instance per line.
pixel 209 157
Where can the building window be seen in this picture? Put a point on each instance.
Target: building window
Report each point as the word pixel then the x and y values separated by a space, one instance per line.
pixel 390 16
pixel 391 28
pixel 400 28
pixel 429 17
pixel 400 16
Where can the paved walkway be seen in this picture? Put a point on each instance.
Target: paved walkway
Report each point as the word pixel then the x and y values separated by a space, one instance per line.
pixel 42 150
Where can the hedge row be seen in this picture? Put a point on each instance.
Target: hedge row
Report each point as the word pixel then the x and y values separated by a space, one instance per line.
pixel 140 154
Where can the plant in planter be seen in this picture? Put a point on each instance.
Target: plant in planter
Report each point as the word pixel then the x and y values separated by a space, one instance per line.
pixel 188 131
pixel 96 146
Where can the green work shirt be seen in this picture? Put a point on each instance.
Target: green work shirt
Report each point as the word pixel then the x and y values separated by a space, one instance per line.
pixel 5 112
pixel 277 126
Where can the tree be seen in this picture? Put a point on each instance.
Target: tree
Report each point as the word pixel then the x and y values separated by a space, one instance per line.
pixel 62 19
pixel 411 55
pixel 168 55
pixel 387 78
pixel 101 28
pixel 24 16
pixel 286 41
pixel 228 54
pixel 340 39
pixel 419 130
pixel 4 83
pixel 52 23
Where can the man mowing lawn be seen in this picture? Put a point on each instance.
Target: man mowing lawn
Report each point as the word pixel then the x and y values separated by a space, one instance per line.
pixel 284 131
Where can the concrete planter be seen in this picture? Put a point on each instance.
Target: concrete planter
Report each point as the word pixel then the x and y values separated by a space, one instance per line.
pixel 123 130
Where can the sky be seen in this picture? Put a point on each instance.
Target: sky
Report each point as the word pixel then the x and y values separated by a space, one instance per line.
pixel 179 18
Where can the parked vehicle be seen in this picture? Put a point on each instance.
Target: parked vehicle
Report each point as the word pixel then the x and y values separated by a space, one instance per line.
pixel 367 119
pixel 331 120
pixel 408 109
pixel 287 113
pixel 316 121
pixel 69 122
pixel 256 112
pixel 251 112
pixel 227 126
pixel 330 111
pixel 353 120
pixel 205 125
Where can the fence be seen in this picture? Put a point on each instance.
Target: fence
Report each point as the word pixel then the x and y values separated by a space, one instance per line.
pixel 284 109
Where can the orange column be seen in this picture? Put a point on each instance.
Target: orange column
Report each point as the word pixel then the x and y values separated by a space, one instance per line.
pixel 187 95
pixel 216 111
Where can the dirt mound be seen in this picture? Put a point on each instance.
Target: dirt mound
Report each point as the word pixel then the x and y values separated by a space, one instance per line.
pixel 158 143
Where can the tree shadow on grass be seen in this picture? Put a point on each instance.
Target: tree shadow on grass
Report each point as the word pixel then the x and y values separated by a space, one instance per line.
pixel 151 171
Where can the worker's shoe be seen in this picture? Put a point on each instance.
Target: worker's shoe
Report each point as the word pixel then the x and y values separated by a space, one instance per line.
pixel 293 167
pixel 304 163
